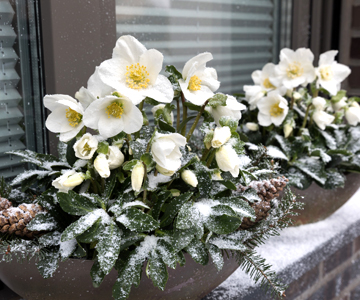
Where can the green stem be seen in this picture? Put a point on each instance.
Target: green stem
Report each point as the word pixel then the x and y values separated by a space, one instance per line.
pixel 141 105
pixel 94 186
pixel 205 154
pixel 183 131
pixel 211 158
pixel 145 176
pixel 196 121
pixel 306 117
pixel 292 103
pixel 177 114
pixel 102 184
pixel 156 172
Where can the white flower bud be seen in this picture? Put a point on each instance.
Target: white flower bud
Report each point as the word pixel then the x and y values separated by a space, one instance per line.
pixel 319 103
pixel 228 160
pixel 287 130
pixel 115 157
pixel 352 114
pixel 162 106
pixel 101 165
pixel 252 126
pixel 216 176
pixel 297 95
pixel 189 177
pixel 322 119
pixel 74 180
pixel 289 92
pixel 221 136
pixel 340 104
pixel 164 171
pixel 86 146
pixel 137 176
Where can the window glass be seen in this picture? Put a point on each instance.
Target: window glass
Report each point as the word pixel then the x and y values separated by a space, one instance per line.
pixel 242 35
pixel 21 112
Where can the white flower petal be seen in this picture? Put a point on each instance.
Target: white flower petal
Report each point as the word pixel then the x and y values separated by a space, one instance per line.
pixel 161 91
pixel 201 59
pixel 152 60
pixel 97 87
pixel 113 72
pixel 257 77
pixel 196 97
pixel 69 135
pixel 328 57
pixel 264 120
pixel 129 48
pixel 50 101
pixel 57 121
pixel 133 120
pixel 340 72
pixel 85 97
pixel 109 127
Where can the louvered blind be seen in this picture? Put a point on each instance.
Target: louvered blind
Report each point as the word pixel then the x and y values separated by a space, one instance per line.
pixel 11 133
pixel 242 35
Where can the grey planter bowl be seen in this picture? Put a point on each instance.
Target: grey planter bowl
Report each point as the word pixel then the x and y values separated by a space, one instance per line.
pixel 72 281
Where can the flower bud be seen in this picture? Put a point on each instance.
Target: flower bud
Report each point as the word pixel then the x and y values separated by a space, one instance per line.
pixel 228 160
pixel 289 93
pixel 319 103
pixel 161 107
pixel 287 130
pixel 164 171
pixel 137 176
pixel 208 138
pixel 189 177
pixel 216 176
pixel 115 157
pixel 352 114
pixel 101 165
pixel 86 146
pixel 340 104
pixel 221 136
pixel 252 126
pixel 74 180
pixel 297 95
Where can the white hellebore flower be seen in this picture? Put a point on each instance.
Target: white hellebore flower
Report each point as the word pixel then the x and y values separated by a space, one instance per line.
pixel 112 115
pixel 66 116
pixel 263 84
pixel 68 181
pixel 161 107
pixel 164 171
pixel 134 71
pixel 330 73
pixel 221 136
pixel 189 177
pixel 228 160
pixel 352 114
pixel 101 165
pixel 272 109
pixel 86 146
pixel 295 68
pixel 165 150
pixel 252 126
pixel 231 109
pixel 340 104
pixel 320 117
pixel 199 82
pixel 137 176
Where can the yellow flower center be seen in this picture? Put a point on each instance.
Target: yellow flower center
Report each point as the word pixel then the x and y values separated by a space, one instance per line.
pixel 276 110
pixel 115 109
pixel 194 83
pixel 87 149
pixel 294 70
pixel 267 84
pixel 74 118
pixel 137 77
pixel 326 73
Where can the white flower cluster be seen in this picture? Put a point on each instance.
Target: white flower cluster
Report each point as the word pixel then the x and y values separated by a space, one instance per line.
pixel 112 105
pixel 296 70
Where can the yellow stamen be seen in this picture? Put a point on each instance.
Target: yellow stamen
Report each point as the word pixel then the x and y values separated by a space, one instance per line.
pixel 137 77
pixel 87 149
pixel 74 118
pixel 294 70
pixel 276 110
pixel 326 73
pixel 194 83
pixel 115 109
pixel 267 84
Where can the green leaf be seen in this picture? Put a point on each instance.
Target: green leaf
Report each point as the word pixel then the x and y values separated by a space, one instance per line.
pixel 166 127
pixel 161 198
pixel 181 259
pixel 148 160
pixel 136 220
pixel 241 208
pixel 298 179
pixel 167 253
pixel 75 204
pixel 97 275
pixel 228 243
pixel 191 106
pixel 79 252
pixel 167 113
pixel 229 122
pixel 216 256
pixel 171 70
pixel 130 239
pixel 217 100
pixel 157 271
pixel 223 221
pixel 228 184
pixel 173 208
pixel 339 151
pixel 354 140
pixel 312 167
pixel 204 179
pixel 335 179
pixel 181 238
pixel 108 247
pixel 129 165
pixel 250 195
pixel 341 94
pixel 80 226
pixel 109 185
pixel 198 252
pixel 70 152
pixel 92 234
pixel 103 147
pixel 42 222
pixel 67 248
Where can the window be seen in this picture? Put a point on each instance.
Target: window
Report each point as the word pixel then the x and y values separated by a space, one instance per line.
pixel 21 121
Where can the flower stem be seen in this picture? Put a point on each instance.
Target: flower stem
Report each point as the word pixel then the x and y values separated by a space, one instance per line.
pixel 306 117
pixel 183 131
pixel 177 114
pixel 196 121
pixel 211 158
pixel 292 102
pixel 145 176
pixel 205 154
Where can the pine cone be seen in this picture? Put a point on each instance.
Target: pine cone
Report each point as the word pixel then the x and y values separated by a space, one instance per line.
pixel 14 219
pixel 4 203
pixel 266 190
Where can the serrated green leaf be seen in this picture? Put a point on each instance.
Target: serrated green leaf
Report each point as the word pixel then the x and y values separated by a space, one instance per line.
pixel 173 208
pixel 228 184
pixel 181 258
pixel 171 70
pixel 80 226
pixel 241 208
pixel 157 271
pixel 160 200
pixel 167 253
pixel 166 127
pixel 108 247
pixel 217 100
pixel 312 167
pixel 136 220
pixel 75 204
pixel 223 220
pixel 130 239
pixel 198 252
pixel 92 234
pixel 204 179
pixel 216 255
pixel 148 160
pixel 181 238
pixel 97 274
pixel 109 186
